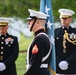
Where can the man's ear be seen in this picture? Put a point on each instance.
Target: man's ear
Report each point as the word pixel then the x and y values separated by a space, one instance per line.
pixel 7 26
pixel 71 19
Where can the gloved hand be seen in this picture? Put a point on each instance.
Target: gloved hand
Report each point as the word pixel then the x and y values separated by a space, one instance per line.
pixel 63 65
pixel 2 66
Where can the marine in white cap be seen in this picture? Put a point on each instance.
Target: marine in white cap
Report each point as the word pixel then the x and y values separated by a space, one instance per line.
pixel 4 24
pixel 9 49
pixel 65 44
pixel 36 15
pixel 38 54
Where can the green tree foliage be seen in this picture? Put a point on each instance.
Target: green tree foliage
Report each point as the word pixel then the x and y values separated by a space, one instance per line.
pixel 19 8
pixel 57 4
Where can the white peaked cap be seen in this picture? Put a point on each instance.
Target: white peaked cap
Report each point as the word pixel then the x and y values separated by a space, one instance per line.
pixel 66 12
pixel 4 21
pixel 36 14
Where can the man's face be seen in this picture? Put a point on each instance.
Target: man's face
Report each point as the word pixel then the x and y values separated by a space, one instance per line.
pixel 30 23
pixel 3 29
pixel 66 21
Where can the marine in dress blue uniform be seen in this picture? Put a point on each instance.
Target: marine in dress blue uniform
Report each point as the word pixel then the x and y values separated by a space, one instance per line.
pixel 9 49
pixel 38 54
pixel 65 44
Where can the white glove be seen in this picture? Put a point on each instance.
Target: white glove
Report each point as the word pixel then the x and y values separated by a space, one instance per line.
pixel 2 66
pixel 63 65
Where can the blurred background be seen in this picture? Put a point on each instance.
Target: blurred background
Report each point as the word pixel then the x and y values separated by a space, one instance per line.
pixel 17 10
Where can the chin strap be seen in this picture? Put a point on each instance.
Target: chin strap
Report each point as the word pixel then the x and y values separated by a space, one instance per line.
pixel 33 24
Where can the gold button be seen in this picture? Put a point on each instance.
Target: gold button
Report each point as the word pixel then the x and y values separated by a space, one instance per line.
pixel 1 47
pixel 2 42
pixel 2 37
pixel 1 52
pixel 57 38
pixel 9 45
pixel 1 57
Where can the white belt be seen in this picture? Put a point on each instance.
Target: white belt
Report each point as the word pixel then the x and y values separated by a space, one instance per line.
pixel 44 66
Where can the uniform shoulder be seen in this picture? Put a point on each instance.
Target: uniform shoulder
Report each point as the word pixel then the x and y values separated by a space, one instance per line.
pixel 43 35
pixel 56 29
pixel 73 28
pixel 12 36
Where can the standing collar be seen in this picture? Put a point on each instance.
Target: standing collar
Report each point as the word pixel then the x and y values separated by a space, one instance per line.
pixel 65 28
pixel 4 35
pixel 39 31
